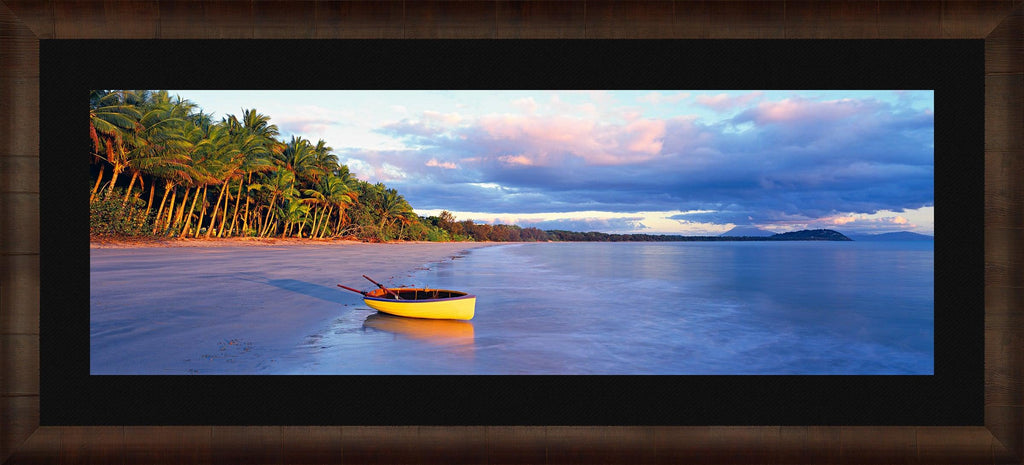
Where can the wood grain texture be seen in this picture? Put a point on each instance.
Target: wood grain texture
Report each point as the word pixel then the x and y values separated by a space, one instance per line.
pixel 1004 191
pixel 808 19
pixel 451 19
pixel 246 444
pixel 355 20
pixel 167 444
pixel 606 19
pixel 93 444
pixel 19 294
pixel 1004 384
pixel 19 47
pixel 42 448
pixel 854 20
pixel 943 444
pixel 19 116
pixel 920 19
pixel 419 444
pixel 717 444
pixel 23 415
pixel 294 19
pixel 593 444
pixel 963 20
pixel 36 15
pixel 809 444
pixel 311 445
pixel 114 19
pixel 1004 257
pixel 1004 112
pixel 507 445
pixel 1006 423
pixel 1001 441
pixel 209 19
pixel 872 444
pixel 19 174
pixel 736 19
pixel 19 362
pixel 19 225
pixel 541 20
pixel 1004 46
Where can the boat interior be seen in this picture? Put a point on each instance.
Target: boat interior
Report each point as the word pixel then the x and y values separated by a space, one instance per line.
pixel 417 294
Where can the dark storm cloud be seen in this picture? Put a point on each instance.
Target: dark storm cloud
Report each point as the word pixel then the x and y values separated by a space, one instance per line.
pixel 772 161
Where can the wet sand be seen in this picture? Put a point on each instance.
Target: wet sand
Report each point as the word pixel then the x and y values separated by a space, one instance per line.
pixel 232 306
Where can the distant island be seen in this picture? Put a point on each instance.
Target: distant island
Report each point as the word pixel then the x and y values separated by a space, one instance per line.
pixel 805 235
pixel 893 236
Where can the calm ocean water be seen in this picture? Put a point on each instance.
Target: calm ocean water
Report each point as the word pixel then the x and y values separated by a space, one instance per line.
pixel 678 308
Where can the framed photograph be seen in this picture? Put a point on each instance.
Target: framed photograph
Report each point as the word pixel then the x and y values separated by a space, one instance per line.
pixel 810 414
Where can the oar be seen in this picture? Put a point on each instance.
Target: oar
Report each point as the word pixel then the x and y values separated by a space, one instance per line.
pixel 353 290
pixel 382 287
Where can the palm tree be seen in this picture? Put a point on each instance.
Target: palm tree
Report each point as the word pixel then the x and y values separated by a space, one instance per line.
pixel 324 161
pixel 158 144
pixel 110 120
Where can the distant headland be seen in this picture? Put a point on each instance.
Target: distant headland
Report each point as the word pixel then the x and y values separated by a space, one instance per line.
pixel 805 235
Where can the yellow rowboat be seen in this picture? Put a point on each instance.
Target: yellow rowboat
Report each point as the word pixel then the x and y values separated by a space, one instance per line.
pixel 436 304
pixel 439 304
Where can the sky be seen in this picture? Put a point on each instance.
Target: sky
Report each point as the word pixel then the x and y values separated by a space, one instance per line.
pixel 657 162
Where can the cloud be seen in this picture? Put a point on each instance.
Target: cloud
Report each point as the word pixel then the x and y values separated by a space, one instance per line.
pixel 793 162
pixel 446 165
pixel 657 98
pixel 724 102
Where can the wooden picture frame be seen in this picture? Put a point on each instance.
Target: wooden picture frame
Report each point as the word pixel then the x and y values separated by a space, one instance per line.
pixel 23 23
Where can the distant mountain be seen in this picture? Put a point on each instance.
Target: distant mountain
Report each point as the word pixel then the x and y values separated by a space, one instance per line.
pixel 893 236
pixel 810 235
pixel 746 231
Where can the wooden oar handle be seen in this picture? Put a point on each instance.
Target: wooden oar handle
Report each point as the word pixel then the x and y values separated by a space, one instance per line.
pixel 353 290
pixel 389 291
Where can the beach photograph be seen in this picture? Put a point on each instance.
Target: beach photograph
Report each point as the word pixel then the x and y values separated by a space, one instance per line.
pixel 511 232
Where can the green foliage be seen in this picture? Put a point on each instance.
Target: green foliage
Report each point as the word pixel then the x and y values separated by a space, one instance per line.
pixel 111 215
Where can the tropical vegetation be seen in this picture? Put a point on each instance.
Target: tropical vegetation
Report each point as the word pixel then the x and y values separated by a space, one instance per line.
pixel 161 167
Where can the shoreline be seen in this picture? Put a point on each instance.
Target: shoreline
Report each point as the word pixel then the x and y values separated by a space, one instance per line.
pixel 235 307
pixel 122 243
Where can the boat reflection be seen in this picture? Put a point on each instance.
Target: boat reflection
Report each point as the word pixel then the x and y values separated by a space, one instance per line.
pixel 453 333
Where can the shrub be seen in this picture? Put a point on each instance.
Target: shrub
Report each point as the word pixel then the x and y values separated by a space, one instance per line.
pixel 110 215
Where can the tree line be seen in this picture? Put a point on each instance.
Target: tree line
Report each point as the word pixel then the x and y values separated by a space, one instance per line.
pixel 162 167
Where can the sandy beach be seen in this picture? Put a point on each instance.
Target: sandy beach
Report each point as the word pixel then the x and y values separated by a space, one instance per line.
pixel 232 306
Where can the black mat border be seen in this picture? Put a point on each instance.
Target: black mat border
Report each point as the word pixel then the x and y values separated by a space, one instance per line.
pixel 952 397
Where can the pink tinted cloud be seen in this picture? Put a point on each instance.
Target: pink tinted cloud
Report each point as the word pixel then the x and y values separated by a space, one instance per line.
pixel 658 97
pixel 446 165
pixel 542 140
pixel 723 102
pixel 645 136
pixel 798 109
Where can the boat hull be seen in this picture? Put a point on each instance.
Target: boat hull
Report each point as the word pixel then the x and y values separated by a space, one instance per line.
pixel 455 306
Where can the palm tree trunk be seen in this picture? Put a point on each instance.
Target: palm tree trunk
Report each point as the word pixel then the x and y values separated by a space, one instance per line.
pixel 303 223
pixel 312 227
pixel 271 209
pixel 245 216
pixel 96 188
pixel 202 212
pixel 238 199
pixel 152 190
pixel 213 218
pixel 181 209
pixel 160 211
pixel 188 218
pixel 113 179
pixel 327 219
pixel 170 210
pixel 128 193
pixel 224 214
